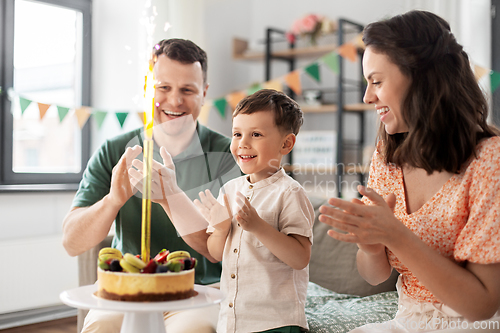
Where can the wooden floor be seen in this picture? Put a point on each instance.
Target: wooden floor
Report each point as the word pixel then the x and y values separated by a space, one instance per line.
pixel 66 325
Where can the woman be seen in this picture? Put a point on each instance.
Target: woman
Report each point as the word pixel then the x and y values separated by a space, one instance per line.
pixel 432 206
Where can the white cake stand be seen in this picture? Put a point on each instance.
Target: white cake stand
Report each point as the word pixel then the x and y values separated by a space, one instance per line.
pixel 140 317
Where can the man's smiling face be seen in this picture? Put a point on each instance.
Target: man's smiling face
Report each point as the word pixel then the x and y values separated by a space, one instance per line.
pixel 179 95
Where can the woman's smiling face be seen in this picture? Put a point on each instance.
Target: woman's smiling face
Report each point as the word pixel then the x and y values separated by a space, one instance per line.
pixel 387 88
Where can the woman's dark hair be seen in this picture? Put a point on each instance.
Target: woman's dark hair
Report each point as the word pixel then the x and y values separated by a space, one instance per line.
pixel 445 109
pixel 183 51
pixel 287 113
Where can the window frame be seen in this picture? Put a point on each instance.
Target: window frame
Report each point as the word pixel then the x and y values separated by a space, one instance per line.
pixel 9 180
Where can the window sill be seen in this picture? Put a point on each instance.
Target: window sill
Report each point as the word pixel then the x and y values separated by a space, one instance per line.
pixel 39 188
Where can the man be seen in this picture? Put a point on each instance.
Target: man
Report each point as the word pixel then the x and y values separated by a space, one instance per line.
pixel 201 160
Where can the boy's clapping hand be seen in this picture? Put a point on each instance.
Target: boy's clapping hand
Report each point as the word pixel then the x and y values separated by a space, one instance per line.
pixel 247 216
pixel 217 215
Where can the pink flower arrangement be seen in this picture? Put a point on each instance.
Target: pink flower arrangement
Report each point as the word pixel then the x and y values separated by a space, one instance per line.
pixel 311 25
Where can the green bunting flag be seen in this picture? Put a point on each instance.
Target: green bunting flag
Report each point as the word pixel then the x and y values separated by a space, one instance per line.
pixel 24 103
pixel 313 71
pixel 220 104
pixel 62 112
pixel 332 61
pixel 494 80
pixel 254 88
pixel 121 116
pixel 99 117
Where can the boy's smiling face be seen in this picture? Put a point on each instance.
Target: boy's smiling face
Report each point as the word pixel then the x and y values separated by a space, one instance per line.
pixel 258 144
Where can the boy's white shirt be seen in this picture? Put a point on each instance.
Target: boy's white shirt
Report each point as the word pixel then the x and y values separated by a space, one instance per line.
pixel 262 292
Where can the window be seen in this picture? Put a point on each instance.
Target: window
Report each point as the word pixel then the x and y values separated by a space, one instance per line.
pixel 45 66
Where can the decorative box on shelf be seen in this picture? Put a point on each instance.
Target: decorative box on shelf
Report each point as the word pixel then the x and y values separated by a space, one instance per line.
pixel 315 148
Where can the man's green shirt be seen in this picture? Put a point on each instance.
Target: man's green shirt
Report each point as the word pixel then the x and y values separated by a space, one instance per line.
pixel 206 164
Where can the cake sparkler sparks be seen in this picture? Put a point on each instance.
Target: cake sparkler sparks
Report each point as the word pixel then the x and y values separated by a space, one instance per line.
pixel 147 164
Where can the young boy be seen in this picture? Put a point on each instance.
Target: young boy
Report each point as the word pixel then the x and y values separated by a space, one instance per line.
pixel 265 248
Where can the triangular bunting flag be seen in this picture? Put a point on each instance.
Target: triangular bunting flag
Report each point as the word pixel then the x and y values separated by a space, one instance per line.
pixel 220 104
pixel 348 51
pixel 331 60
pixel 479 72
pixel 62 112
pixel 494 80
pixel 358 41
pixel 43 109
pixel 292 80
pixel 313 71
pixel 273 84
pixel 141 115
pixel 234 98
pixel 99 117
pixel 82 115
pixel 121 116
pixel 24 103
pixel 254 88
pixel 204 113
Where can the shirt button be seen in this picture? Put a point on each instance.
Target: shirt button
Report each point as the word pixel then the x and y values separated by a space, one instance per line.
pixel 230 305
pixel 250 187
pixel 235 250
pixel 233 276
pixel 248 198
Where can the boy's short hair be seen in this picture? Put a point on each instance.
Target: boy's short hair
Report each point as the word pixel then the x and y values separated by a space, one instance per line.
pixel 287 113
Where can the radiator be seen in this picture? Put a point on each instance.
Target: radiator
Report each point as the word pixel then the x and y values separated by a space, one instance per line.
pixel 33 272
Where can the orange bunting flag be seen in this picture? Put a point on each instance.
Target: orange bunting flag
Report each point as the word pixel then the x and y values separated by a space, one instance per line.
pixel 292 80
pixel 204 113
pixel 479 72
pixel 141 115
pixel 234 98
pixel 273 84
pixel 348 51
pixel 43 109
pixel 358 42
pixel 82 114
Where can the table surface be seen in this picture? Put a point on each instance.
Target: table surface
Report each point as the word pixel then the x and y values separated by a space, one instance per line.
pixel 84 298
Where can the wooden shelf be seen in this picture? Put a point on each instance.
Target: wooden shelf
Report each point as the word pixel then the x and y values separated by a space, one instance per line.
pixel 241 51
pixel 326 108
pixel 308 169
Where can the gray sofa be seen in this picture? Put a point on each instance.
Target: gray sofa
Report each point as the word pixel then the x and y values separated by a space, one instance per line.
pixel 339 299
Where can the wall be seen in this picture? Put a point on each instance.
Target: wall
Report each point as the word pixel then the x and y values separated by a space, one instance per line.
pixel 469 20
pixel 249 19
pixel 30 224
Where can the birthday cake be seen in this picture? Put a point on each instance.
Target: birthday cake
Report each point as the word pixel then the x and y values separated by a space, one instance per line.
pixel 166 277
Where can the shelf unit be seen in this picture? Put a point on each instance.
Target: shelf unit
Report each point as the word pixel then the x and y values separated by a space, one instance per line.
pixel 341 108
pixel 241 51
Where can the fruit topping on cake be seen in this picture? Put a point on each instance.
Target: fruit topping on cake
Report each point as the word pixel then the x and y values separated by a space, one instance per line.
pixel 111 259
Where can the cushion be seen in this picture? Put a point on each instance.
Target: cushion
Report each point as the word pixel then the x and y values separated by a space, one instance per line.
pixel 330 312
pixel 333 263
